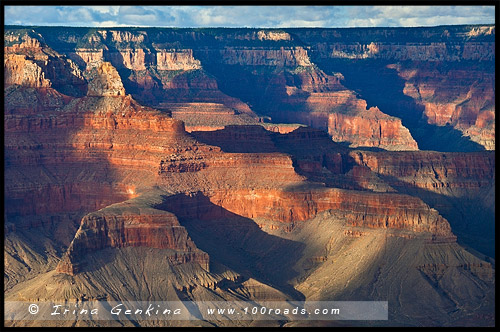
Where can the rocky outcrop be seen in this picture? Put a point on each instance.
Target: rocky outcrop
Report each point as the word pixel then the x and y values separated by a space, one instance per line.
pixel 280 203
pixel 359 209
pixel 464 99
pixel 122 143
pixel 459 185
pixel 276 70
pixel 432 44
pixel 273 35
pixel 29 62
pixel 27 41
pixel 416 52
pixel 21 71
pixel 430 64
pixel 87 58
pixel 289 57
pixel 208 116
pixel 305 94
pixel 370 128
pixel 49 198
pixel 177 60
pixel 123 225
pixel 106 83
pixel 431 170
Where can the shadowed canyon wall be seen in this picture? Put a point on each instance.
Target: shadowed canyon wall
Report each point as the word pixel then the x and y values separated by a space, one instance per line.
pixel 253 161
pixel 393 88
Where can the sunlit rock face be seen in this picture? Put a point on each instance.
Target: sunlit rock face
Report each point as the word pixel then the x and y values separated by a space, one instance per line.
pixel 442 76
pixel 223 77
pixel 252 164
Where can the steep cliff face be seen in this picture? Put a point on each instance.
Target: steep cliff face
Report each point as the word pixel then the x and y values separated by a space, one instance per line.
pixel 121 144
pixel 433 51
pixel 106 83
pixel 124 225
pixel 177 60
pixel 444 43
pixel 297 91
pixel 459 185
pixel 446 72
pixel 464 99
pixel 179 77
pixel 280 57
pixel 115 183
pixel 275 70
pixel 125 148
pixel 360 209
pixel 154 75
pixel 30 62
pixel 448 170
pixel 21 71
pixel 371 128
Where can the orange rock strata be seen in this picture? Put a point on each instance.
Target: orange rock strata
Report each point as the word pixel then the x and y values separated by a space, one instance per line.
pixel 108 137
pixel 447 170
pixel 143 228
pixel 361 209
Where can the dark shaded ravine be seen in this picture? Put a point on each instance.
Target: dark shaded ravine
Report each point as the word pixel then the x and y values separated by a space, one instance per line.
pixel 382 87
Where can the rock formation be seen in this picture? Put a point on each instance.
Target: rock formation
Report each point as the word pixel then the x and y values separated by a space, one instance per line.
pixel 464 99
pixel 420 77
pixel 106 83
pixel 245 164
pixel 370 128
pixel 126 224
pixel 292 69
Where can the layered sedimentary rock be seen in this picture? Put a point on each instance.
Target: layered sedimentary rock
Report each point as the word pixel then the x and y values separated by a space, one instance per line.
pixel 207 116
pixel 283 204
pixel 106 83
pixel 30 62
pixel 278 69
pixel 281 57
pixel 179 75
pixel 459 185
pixel 474 43
pixel 22 71
pixel 104 131
pixel 177 60
pixel 370 128
pixel 297 91
pixel 126 225
pixel 168 78
pixel 121 143
pixel 464 99
pixel 447 170
pixel 289 207
pixel 447 72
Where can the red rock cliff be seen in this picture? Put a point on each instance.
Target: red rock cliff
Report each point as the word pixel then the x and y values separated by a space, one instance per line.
pixel 359 209
pixel 432 170
pixel 124 225
pixel 464 99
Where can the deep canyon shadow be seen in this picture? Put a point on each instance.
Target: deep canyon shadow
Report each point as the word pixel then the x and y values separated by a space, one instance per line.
pixel 313 153
pixel 262 87
pixel 236 241
pixel 472 222
pixel 382 87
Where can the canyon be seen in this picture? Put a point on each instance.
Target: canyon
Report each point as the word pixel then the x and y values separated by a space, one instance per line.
pixel 252 164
